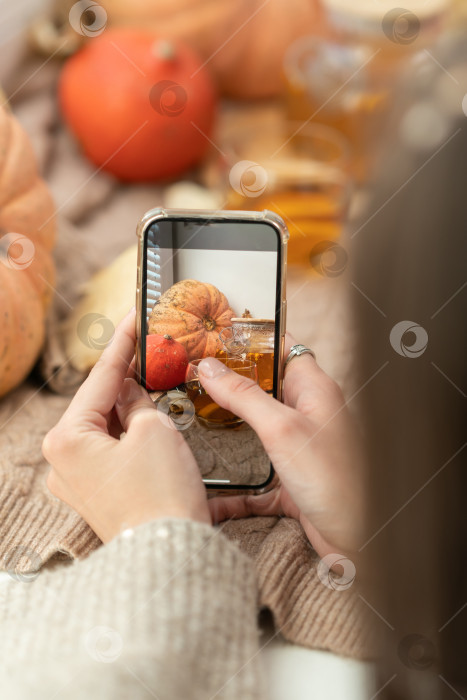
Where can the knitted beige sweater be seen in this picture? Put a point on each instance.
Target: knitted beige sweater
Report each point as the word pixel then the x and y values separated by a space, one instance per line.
pixel 168 610
pixel 164 611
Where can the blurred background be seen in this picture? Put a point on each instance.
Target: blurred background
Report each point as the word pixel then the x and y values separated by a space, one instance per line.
pixel 274 104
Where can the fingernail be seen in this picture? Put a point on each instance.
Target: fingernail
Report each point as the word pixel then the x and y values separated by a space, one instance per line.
pixel 212 368
pixel 130 391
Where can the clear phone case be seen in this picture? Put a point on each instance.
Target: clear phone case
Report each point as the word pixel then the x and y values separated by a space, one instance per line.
pixel 153 276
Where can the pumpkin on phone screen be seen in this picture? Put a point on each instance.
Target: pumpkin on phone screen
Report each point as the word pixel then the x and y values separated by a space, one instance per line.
pixel 166 362
pixel 194 313
pixel 27 274
pixel 142 107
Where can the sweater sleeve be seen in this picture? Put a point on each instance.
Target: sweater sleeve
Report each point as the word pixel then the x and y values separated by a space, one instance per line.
pixel 165 611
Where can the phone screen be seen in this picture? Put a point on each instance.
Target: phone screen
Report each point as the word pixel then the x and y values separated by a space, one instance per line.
pixel 211 288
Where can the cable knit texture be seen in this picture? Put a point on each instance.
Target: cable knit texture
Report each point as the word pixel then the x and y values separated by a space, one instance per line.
pixel 307 605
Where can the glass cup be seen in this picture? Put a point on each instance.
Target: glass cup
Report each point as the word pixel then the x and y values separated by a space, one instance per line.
pixel 256 335
pixel 233 343
pixel 298 170
pixel 335 83
pixel 207 411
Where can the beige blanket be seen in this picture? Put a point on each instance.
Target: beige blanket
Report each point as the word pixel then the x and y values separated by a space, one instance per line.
pixel 96 221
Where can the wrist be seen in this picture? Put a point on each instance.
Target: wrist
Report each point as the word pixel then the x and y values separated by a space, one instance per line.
pixel 132 521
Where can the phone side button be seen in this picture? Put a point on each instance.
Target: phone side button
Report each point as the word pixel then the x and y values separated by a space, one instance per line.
pixel 284 317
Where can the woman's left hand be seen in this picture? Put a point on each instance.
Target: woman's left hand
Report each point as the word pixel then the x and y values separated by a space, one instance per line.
pixel 113 483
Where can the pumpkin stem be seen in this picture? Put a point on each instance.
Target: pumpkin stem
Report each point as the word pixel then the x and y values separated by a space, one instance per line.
pixel 168 337
pixel 164 49
pixel 209 324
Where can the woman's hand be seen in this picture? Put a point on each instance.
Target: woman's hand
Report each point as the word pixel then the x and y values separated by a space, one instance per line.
pixel 313 445
pixel 117 483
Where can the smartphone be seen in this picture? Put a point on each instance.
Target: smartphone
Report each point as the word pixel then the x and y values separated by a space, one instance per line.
pixel 212 283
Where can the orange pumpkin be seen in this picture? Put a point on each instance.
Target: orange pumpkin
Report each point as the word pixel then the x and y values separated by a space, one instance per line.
pixel 27 232
pixel 142 108
pixel 242 42
pixel 193 313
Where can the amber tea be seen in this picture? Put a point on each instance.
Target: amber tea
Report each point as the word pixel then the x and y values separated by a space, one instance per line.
pixel 304 171
pixel 264 364
pixel 207 410
pixel 265 367
pixel 313 214
pixel 254 338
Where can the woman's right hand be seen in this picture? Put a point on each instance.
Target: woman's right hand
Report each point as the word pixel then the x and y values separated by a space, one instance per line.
pixel 313 444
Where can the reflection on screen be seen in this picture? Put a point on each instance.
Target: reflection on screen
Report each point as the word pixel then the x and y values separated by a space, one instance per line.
pixel 210 290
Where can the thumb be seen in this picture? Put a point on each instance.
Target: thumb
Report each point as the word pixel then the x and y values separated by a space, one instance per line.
pixel 242 506
pixel 131 400
pixel 238 394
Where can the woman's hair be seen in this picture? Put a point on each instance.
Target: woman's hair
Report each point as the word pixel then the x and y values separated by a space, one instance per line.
pixel 410 280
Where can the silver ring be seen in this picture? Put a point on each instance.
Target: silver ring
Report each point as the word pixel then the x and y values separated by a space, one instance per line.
pixel 296 351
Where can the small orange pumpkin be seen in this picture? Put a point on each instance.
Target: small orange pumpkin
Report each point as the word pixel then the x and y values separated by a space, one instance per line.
pixel 193 313
pixel 27 274
pixel 142 108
